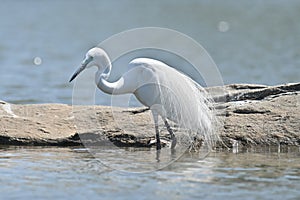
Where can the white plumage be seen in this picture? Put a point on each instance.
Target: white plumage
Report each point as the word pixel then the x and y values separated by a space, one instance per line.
pixel 166 91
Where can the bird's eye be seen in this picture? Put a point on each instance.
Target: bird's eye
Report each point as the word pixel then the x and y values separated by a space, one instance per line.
pixel 90 58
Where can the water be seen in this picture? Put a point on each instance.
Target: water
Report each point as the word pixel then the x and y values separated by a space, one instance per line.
pixel 48 173
pixel 43 42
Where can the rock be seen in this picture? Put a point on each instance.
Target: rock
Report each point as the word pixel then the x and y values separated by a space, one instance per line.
pixel 251 115
pixel 262 115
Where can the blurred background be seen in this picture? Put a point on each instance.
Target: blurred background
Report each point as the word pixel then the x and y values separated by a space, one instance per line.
pixel 43 42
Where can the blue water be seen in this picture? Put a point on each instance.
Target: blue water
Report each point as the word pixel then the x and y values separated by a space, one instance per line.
pixel 259 43
pixel 43 42
pixel 64 173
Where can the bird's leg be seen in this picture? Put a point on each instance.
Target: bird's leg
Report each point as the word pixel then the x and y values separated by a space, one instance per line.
pixel 173 138
pixel 155 117
pixel 158 145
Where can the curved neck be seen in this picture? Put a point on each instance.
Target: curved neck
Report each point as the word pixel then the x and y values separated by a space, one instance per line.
pixel 106 73
pixel 104 63
pixel 102 77
pixel 102 83
pixel 110 87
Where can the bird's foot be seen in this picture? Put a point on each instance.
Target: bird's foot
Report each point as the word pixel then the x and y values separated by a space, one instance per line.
pixel 158 146
pixel 173 143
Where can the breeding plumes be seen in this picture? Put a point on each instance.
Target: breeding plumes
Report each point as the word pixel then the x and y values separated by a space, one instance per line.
pixel 167 92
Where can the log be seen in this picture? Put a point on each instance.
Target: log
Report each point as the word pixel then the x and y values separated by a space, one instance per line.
pixel 251 115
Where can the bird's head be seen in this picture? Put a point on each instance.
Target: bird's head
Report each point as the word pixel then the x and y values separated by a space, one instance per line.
pixel 94 57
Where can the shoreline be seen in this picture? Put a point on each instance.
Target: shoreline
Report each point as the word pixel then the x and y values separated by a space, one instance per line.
pixel 252 114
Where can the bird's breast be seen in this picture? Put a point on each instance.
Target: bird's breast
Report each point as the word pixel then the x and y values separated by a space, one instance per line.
pixel 148 95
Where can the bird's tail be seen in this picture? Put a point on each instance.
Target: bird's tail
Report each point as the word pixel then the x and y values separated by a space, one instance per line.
pixel 191 107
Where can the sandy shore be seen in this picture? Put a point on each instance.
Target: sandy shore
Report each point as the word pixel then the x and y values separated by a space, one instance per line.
pixel 252 115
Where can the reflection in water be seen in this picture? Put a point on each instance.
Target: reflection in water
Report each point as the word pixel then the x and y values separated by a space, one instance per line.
pixel 140 160
pixel 63 172
pixel 135 159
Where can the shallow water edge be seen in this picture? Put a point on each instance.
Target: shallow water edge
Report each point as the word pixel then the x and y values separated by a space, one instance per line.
pixel 250 115
pixel 61 172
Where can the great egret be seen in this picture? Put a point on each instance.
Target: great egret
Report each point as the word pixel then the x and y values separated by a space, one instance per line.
pixel 167 92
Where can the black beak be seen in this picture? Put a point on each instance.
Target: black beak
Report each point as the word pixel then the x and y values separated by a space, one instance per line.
pixel 77 72
pixel 81 68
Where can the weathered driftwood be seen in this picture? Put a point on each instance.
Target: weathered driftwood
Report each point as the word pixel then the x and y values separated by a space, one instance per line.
pixel 251 115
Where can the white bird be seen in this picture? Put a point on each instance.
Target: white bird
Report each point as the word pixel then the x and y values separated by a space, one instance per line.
pixel 167 92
